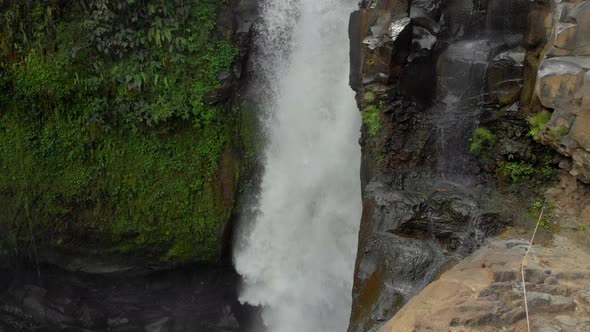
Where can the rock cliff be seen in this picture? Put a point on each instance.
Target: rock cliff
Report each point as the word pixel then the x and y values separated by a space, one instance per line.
pixel 455 98
pixel 563 84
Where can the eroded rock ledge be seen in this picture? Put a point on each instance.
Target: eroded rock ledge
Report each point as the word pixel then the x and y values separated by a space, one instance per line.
pixel 483 292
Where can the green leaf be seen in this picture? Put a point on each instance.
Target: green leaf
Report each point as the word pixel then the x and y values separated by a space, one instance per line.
pixel 168 35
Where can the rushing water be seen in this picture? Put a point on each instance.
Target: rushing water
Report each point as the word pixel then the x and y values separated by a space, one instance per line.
pixel 297 255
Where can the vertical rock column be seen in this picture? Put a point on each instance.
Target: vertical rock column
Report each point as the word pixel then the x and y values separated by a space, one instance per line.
pixel 563 84
pixel 390 268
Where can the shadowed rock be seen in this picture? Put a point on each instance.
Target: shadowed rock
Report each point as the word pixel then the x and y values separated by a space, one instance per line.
pixel 425 77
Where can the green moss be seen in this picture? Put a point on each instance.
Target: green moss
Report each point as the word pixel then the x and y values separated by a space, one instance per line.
pixel 249 133
pixel 369 97
pixel 111 135
pixel 556 134
pixel 563 130
pixel 372 119
pixel 482 141
pixel 538 123
pixel 146 190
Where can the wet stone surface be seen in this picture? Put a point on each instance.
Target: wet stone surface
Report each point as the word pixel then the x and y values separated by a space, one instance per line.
pixel 196 299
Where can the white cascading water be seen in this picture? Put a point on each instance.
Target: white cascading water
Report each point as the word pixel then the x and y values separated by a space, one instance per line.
pixel 297 256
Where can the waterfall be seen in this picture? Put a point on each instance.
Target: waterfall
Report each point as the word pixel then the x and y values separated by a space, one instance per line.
pixel 297 254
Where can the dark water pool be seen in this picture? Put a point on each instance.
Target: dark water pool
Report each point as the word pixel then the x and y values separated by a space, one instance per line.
pixel 200 298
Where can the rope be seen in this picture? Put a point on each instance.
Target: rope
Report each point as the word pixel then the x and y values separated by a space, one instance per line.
pixel 526 307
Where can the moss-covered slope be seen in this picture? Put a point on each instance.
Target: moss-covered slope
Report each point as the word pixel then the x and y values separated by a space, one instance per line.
pixel 115 131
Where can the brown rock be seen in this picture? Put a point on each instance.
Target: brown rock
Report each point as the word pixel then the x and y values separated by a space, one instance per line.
pixel 539 22
pixel 566 36
pixel 585 91
pixel 560 80
pixel 580 130
pixel 581 168
pixel 560 119
pixel 585 295
pixel 505 76
pixel 513 316
pixel 542 302
pixel 567 321
pixel 550 281
pixel 581 15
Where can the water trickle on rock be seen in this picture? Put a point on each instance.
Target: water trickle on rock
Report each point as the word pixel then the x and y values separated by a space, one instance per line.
pixel 478 33
pixel 297 255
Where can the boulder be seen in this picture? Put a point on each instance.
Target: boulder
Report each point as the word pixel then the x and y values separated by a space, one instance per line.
pixel 585 295
pixel 539 23
pixel 585 92
pixel 380 35
pixel 38 306
pixel 423 17
pixel 505 77
pixel 561 118
pixel 381 287
pixel 560 82
pixel 422 39
pixel 567 321
pixel 415 230
pixel 581 16
pixel 565 36
pixel 564 85
pixel 386 49
pixel 580 130
pixel 542 302
pixel 513 316
pixel 581 167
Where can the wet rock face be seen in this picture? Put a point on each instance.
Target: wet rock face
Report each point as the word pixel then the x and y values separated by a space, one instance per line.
pixel 380 35
pixel 505 77
pixel 563 85
pixel 412 236
pixel 408 236
pixel 419 67
pixel 468 56
pixel 200 299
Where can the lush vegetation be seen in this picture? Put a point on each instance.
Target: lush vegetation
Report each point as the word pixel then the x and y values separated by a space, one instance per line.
pixel 538 123
pixel 110 131
pixel 371 114
pixel 482 141
pixel 513 157
pixel 556 134
pixel 516 171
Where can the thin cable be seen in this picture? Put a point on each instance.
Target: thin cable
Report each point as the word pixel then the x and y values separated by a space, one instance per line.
pixel 526 307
